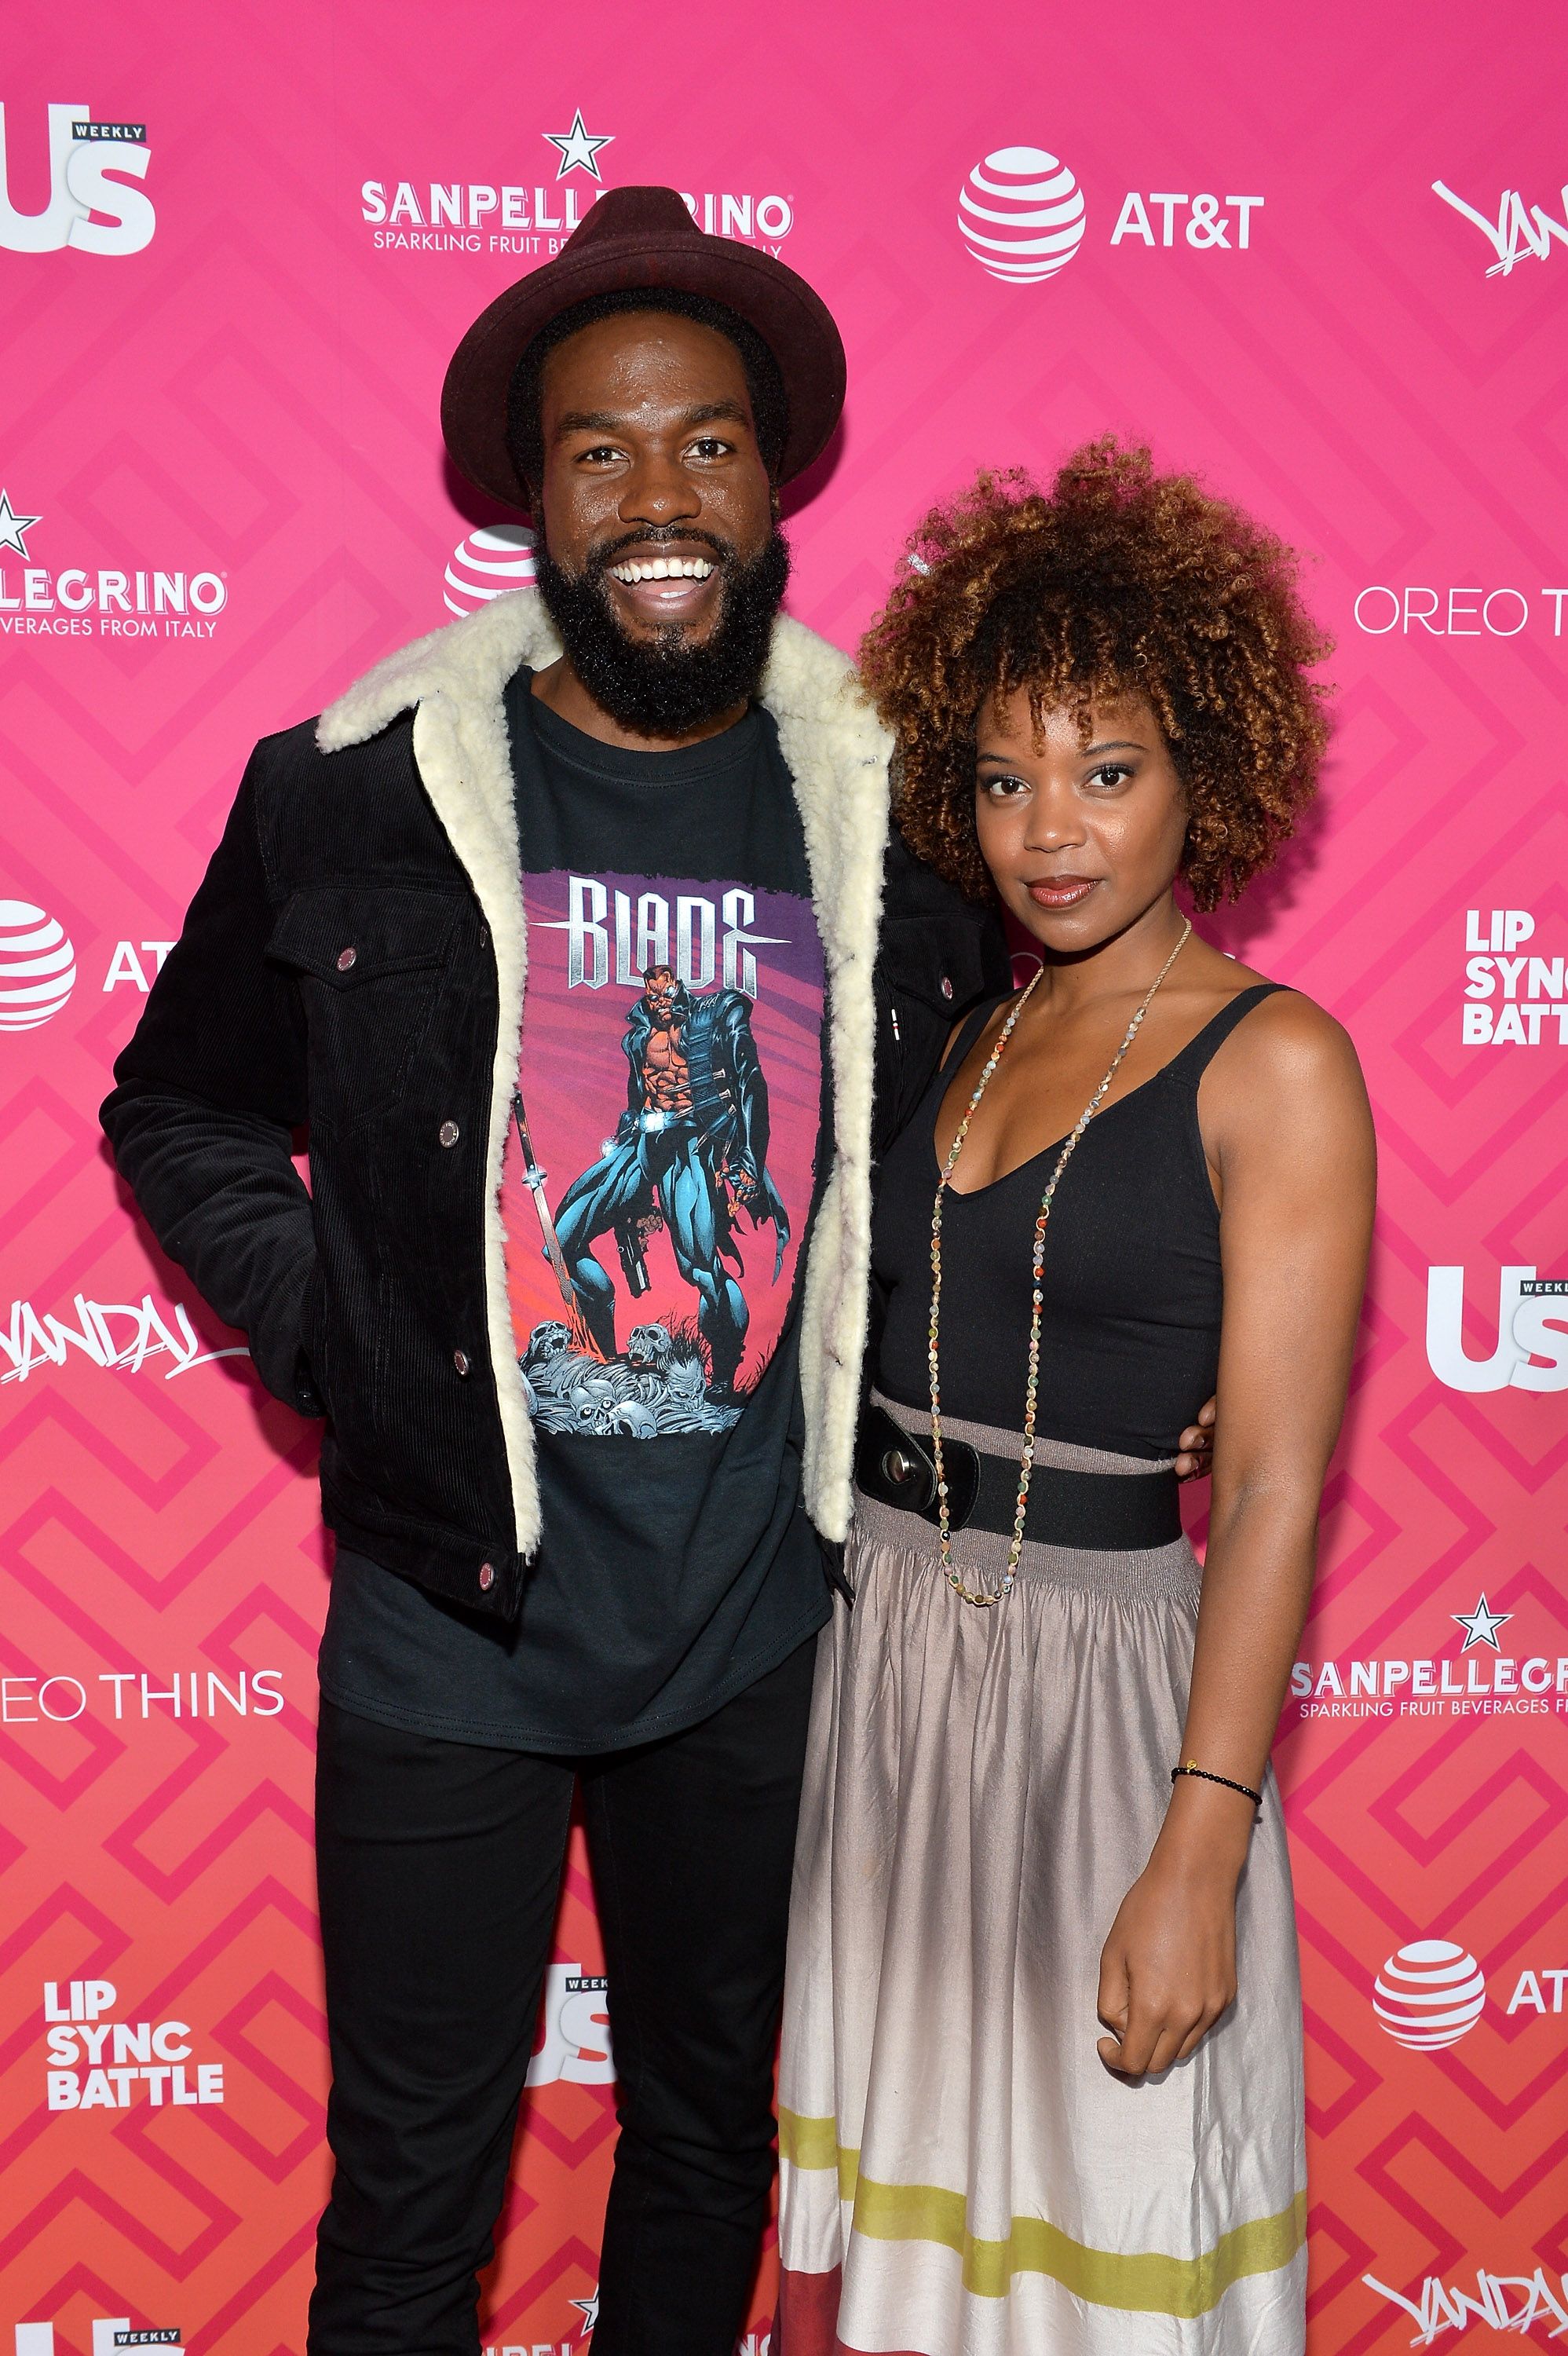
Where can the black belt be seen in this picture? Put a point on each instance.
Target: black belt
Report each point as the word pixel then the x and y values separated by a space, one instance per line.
pixel 1101 1512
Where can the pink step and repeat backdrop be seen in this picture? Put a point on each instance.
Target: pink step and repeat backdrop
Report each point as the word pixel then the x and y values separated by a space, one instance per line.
pixel 1318 253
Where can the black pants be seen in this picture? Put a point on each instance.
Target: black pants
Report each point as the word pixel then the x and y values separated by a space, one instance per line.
pixel 439 1867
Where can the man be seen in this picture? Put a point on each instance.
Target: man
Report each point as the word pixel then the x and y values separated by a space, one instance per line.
pixel 690 1149
pixel 643 772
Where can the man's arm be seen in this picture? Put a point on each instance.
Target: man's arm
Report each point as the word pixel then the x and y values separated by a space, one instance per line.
pixel 210 1089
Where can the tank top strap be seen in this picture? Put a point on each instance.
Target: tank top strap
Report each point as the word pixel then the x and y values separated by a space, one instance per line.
pixel 1187 1068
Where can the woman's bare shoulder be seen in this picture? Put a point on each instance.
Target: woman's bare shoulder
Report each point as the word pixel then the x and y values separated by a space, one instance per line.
pixel 1286 1043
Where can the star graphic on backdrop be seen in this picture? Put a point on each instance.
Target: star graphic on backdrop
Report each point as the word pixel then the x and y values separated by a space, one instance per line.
pixel 577 147
pixel 589 2308
pixel 13 527
pixel 1481 1626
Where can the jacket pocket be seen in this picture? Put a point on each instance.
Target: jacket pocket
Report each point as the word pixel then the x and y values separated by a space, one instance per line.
pixel 367 962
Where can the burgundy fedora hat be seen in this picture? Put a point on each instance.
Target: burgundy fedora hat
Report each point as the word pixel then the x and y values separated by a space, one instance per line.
pixel 642 237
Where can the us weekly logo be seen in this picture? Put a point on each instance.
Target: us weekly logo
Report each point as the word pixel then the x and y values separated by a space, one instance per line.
pixel 515 216
pixel 96 201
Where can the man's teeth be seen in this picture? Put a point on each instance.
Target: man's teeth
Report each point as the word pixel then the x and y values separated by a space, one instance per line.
pixel 663 568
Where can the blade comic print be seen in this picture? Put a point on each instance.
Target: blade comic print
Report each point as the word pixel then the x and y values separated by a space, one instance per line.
pixel 660 1159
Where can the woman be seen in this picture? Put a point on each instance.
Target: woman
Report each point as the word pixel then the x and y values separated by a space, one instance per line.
pixel 1041 2078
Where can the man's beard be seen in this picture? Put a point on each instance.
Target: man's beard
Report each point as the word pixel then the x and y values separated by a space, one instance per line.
pixel 666 685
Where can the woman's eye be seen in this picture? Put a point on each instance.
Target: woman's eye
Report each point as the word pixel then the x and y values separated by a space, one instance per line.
pixel 1110 775
pixel 1004 789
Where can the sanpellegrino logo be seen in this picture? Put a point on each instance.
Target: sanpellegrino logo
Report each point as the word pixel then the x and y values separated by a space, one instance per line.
pixel 96 204
pixel 1481 1681
pixel 78 601
pixel 1531 1353
pixel 510 217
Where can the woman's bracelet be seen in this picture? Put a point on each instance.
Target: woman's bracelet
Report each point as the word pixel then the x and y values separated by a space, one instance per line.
pixel 1246 1791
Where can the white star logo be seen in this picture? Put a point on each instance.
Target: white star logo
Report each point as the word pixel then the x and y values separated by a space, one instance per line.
pixel 13 527
pixel 588 2310
pixel 1481 1626
pixel 577 147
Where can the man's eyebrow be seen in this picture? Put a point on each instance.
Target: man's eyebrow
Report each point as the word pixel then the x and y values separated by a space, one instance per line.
pixel 610 420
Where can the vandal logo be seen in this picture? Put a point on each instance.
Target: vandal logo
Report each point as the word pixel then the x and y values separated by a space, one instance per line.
pixel 1502 2302
pixel 1519 233
pixel 1531 1353
pixel 38 965
pixel 1429 1993
pixel 107 1333
pixel 95 203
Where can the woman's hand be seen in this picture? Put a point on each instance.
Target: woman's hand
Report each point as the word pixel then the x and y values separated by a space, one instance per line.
pixel 1168 1970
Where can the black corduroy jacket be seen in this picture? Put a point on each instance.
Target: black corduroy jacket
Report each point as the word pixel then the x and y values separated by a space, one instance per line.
pixel 353 963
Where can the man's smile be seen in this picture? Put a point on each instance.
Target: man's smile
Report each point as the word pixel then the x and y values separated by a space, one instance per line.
pixel 658 584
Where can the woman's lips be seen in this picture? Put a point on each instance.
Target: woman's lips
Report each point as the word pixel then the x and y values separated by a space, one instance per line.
pixel 1061 891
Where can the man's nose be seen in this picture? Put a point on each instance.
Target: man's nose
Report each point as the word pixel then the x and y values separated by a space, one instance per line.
pixel 659 490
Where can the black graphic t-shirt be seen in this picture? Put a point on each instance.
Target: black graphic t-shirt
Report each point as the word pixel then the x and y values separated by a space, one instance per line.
pixel 668 1138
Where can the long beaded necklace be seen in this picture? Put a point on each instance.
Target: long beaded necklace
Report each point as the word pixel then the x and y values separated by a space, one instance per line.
pixel 982 1597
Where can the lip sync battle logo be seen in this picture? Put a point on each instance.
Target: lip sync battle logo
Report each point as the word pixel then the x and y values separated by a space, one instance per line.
pixel 96 202
pixel 509 216
pixel 1513 996
pixel 80 601
pixel 94 2064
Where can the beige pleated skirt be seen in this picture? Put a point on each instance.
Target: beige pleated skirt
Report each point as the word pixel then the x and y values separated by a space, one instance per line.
pixel 961 2176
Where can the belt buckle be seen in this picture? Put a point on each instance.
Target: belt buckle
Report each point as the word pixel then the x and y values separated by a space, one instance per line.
pixel 895 1465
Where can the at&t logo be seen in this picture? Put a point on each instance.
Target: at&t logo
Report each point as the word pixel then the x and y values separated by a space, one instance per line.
pixel 1429 1993
pixel 1021 213
pixel 486 564
pixel 38 965
pixel 1531 1353
pixel 96 204
pixel 1022 216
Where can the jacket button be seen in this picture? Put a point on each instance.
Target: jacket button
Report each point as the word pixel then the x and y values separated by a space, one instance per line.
pixel 947 986
pixel 487 1576
pixel 460 1360
pixel 448 1132
pixel 345 959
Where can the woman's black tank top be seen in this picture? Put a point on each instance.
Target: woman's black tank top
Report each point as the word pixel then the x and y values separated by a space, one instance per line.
pixel 1129 1335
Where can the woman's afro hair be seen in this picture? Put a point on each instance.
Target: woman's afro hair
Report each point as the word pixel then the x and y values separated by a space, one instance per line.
pixel 1116 580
